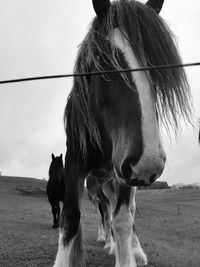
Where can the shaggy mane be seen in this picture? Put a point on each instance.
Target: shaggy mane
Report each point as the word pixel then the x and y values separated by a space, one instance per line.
pixel 152 43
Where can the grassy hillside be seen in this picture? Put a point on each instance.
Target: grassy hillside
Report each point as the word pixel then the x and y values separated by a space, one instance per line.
pixel 170 238
pixel 170 234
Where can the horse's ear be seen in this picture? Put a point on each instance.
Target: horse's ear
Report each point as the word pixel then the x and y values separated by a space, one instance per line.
pixel 101 7
pixel 52 156
pixel 155 4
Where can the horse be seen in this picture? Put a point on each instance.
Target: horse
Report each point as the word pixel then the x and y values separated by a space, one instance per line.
pixel 55 187
pixel 113 120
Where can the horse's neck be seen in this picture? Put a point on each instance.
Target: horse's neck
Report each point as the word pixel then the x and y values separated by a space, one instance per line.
pixel 56 177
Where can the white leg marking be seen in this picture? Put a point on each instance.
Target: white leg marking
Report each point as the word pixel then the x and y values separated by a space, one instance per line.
pixel 63 254
pixel 132 201
pixel 139 254
pixel 122 227
pixel 111 245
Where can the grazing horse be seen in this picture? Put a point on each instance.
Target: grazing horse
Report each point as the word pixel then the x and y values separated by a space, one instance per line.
pixel 55 187
pixel 112 120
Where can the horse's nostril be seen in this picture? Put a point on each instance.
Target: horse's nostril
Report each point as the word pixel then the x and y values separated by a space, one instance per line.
pixel 127 165
pixel 153 178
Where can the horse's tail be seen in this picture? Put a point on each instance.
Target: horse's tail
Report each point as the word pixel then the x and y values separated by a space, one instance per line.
pixel 77 252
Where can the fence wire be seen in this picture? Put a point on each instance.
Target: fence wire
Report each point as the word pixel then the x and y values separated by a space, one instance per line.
pixel 100 72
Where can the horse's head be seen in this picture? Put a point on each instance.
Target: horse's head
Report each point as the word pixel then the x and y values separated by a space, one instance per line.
pixel 128 108
pixel 56 166
pixel 120 113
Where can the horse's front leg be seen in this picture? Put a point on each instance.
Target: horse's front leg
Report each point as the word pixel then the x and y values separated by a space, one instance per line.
pixel 140 256
pixel 123 228
pixel 70 250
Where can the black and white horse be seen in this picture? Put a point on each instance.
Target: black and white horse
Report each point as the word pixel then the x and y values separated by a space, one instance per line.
pixel 112 120
pixel 55 188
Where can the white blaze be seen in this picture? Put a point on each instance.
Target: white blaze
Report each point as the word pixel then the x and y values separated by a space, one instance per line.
pixel 150 130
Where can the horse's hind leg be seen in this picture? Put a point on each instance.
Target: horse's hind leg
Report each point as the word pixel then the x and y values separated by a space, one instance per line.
pixel 101 232
pixel 70 250
pixel 108 230
pixel 105 207
pixel 57 215
pixel 53 210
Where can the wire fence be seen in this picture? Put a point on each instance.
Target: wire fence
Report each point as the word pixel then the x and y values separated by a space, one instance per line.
pixel 100 72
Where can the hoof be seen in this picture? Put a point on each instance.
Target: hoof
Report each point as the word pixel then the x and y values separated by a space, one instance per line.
pixel 140 257
pixel 112 250
pixel 111 246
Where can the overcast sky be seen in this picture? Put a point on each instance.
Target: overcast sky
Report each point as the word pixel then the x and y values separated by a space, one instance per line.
pixel 41 38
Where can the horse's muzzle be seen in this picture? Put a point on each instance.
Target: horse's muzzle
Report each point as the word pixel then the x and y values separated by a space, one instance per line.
pixel 144 173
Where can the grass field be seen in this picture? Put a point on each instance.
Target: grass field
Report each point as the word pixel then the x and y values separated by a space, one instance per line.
pixel 171 238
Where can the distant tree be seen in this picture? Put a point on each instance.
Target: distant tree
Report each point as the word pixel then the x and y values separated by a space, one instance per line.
pixel 185 186
pixel 0 173
pixel 155 185
pixel 196 185
pixel 177 186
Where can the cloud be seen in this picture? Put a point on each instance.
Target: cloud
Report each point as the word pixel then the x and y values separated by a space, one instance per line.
pixel 31 126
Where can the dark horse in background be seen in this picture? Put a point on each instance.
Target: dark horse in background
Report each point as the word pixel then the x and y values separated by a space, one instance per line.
pixel 55 188
pixel 112 121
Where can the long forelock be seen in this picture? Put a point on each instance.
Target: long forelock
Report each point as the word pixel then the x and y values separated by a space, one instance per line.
pixel 152 43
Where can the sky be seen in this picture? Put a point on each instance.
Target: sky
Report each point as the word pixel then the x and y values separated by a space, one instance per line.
pixel 41 38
